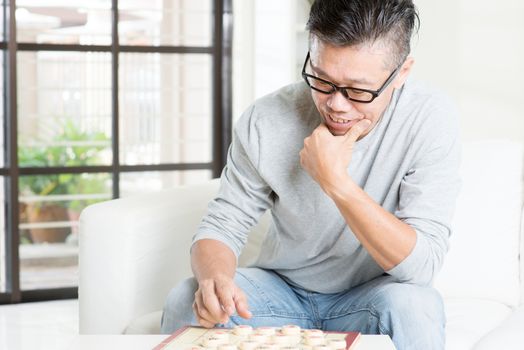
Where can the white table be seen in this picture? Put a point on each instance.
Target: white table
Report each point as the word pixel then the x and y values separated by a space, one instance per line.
pixel 147 342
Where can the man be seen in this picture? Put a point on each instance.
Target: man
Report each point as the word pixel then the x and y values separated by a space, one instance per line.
pixel 359 168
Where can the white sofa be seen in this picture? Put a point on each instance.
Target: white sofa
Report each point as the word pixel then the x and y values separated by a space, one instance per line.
pixel 134 250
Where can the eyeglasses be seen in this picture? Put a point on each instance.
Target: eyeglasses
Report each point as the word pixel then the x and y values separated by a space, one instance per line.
pixel 351 93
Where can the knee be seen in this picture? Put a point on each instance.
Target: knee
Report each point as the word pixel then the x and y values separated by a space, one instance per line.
pixel 412 315
pixel 410 305
pixel 178 310
pixel 182 295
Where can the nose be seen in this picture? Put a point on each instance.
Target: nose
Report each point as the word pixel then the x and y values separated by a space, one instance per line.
pixel 339 103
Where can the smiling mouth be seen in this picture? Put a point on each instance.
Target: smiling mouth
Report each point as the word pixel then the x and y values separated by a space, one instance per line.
pixel 338 120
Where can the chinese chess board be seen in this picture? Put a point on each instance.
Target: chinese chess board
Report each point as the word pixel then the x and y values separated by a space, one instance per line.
pixel 243 337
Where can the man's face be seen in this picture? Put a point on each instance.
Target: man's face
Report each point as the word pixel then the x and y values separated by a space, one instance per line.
pixel 354 66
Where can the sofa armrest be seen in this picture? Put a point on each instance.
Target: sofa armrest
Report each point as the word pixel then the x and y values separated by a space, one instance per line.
pixel 133 251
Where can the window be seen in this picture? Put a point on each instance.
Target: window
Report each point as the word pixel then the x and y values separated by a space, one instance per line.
pixel 103 99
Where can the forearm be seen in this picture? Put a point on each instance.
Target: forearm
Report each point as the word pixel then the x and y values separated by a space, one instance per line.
pixel 386 238
pixel 217 296
pixel 211 258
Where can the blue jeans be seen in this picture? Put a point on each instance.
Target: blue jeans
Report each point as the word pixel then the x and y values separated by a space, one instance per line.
pixel 413 316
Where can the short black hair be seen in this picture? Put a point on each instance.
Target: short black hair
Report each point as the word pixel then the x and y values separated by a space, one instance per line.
pixel 356 22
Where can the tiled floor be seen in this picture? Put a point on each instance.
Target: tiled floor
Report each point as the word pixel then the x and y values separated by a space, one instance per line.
pixel 38 326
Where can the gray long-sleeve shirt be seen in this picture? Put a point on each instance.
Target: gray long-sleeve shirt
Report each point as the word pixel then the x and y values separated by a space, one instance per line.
pixel 408 164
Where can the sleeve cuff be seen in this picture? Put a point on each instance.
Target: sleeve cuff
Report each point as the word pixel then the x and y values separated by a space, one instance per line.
pixel 411 269
pixel 212 235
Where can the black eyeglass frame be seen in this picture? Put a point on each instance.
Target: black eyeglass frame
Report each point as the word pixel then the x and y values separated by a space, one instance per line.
pixel 342 89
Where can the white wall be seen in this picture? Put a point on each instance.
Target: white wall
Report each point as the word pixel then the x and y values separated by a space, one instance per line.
pixel 474 49
pixel 243 55
pixel 269 43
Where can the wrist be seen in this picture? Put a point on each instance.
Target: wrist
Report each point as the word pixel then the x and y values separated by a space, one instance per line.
pixel 212 260
pixel 341 189
pixel 213 277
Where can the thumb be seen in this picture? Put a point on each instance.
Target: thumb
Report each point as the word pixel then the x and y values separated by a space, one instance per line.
pixel 356 130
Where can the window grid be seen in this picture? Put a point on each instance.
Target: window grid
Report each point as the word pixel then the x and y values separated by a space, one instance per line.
pixel 220 51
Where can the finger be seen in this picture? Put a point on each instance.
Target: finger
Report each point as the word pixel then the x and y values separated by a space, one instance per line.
pixel 241 304
pixel 211 303
pixel 356 130
pixel 201 320
pixel 321 128
pixel 225 296
pixel 201 311
pixel 302 156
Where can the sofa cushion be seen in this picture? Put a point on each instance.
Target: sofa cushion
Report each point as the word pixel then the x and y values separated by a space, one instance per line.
pixel 469 319
pixel 145 324
pixel 509 335
pixel 483 261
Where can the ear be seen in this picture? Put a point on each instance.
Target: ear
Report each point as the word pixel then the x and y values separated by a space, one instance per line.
pixel 404 73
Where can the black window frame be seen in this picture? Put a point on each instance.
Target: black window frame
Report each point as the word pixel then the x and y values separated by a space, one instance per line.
pixel 221 52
